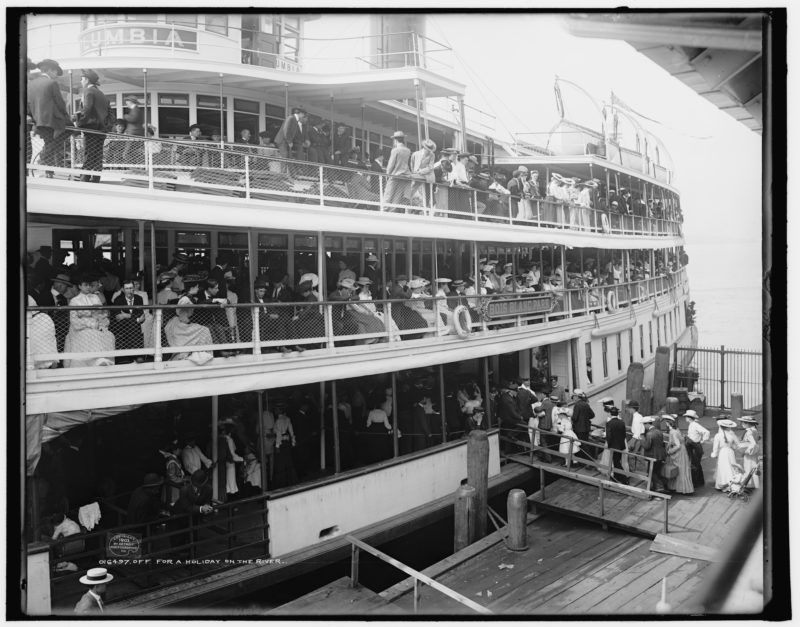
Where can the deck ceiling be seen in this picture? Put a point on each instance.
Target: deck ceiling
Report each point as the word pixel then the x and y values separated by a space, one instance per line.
pixel 718 55
pixel 312 89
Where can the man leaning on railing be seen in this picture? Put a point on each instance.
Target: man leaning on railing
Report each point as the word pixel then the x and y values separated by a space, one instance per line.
pixel 92 117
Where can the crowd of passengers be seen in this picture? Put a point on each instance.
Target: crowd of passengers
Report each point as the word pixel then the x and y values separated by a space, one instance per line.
pixel 453 181
pixel 90 477
pixel 286 314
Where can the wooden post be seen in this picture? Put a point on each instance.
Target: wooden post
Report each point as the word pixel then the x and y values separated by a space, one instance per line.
pixel 646 401
pixel 215 445
pixel 354 554
pixel 517 507
pixel 634 381
pixel 464 532
pixel 478 477
pixel 737 406
pixel 602 500
pixel 486 391
pixel 395 439
pixel 441 403
pixel 666 515
pixel 673 405
pixel 541 481
pixel 262 453
pixel 337 462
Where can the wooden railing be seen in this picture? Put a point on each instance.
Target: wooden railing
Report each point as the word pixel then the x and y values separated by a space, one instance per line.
pixel 357 545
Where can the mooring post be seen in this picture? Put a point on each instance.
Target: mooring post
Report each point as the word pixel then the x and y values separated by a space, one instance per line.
pixel 464 533
pixel 478 478
pixel 517 507
pixel 646 401
pixel 673 405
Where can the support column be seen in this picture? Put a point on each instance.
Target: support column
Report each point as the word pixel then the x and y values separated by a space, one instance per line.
pixel 215 445
pixel 441 403
pixel 144 104
pixel 463 120
pixel 478 477
pixel 394 421
pixel 153 286
pixel 322 459
pixel 337 462
pixel 416 110
pixel 486 392
pixel 262 453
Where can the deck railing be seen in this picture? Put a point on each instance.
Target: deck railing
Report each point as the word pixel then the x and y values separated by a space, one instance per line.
pixel 80 336
pixel 233 531
pixel 357 545
pixel 260 173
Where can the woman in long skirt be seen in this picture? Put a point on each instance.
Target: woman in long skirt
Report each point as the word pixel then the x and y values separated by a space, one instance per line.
pixel 285 474
pixel 751 447
pixel 676 449
pixel 725 444
pixel 88 330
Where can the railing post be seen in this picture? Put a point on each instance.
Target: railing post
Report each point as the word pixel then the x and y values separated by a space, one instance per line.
pixel 666 515
pixel 416 595
pixel 157 319
pixel 247 176
pixel 321 186
pixel 722 377
pixel 381 206
pixel 150 173
pixel 328 313
pixel 256 331
pixel 510 210
pixel 387 320
pixel 436 318
pixel 602 501
pixel 475 203
pixel 541 480
pixel 354 555
pixel 674 364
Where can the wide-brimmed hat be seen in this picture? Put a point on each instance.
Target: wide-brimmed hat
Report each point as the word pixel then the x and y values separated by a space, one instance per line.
pixel 457 282
pixel 93 77
pixel 725 422
pixel 398 135
pixel 443 280
pixel 670 417
pixel 578 392
pixel 487 268
pixel 607 400
pixel 554 397
pixel 558 177
pixel 522 169
pixel 132 99
pixel 261 284
pixel 648 419
pixel 634 404
pixel 311 277
pixel 371 257
pixel 95 576
pixel 614 411
pixel 46 64
pixel 152 480
pixel 484 175
pixel 415 284
pixel 590 183
pixel 429 144
pixel 347 282
pixel 362 280
pixel 199 478
pixel 449 151
pixel 748 420
pixel 182 257
pixel 63 278
pixel 691 413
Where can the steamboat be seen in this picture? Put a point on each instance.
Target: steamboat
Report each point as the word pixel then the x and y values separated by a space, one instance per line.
pixel 294 303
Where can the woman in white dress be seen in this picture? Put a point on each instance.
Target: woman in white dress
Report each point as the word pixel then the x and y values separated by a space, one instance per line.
pixel 88 328
pixel 181 331
pixel 751 448
pixel 564 427
pixel 725 444
pixel 365 314
pixel 231 486
pixel 432 319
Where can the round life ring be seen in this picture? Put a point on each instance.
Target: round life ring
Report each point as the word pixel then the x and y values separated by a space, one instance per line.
pixel 606 224
pixel 611 300
pixel 461 328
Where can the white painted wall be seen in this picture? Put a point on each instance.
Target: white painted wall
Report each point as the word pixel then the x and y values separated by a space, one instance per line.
pixel 295 521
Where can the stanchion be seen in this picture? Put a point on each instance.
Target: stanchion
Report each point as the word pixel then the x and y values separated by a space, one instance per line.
pixel 464 532
pixel 517 507
pixel 737 406
pixel 478 478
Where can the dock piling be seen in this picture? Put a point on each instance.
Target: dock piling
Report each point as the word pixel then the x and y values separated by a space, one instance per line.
pixel 464 532
pixel 646 401
pixel 737 406
pixel 517 507
pixel 478 478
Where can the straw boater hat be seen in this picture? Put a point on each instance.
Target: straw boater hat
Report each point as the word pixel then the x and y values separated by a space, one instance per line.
pixel 398 135
pixel 347 283
pixel 443 280
pixel 648 419
pixel 749 420
pixel 725 423
pixel 371 257
pixel 311 277
pixel 416 284
pixel 95 576
pixel 429 144
pixel 579 393
pixel 558 177
pixel 590 183
pixel 691 413
pixel 364 281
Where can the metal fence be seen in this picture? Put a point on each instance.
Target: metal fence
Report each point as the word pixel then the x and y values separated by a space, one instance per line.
pixel 81 336
pixel 262 173
pixel 719 373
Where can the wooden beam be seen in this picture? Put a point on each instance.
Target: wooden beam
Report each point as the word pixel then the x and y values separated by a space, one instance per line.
pixel 683 548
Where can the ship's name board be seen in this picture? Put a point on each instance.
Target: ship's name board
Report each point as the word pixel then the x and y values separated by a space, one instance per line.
pixel 505 307
pixel 163 36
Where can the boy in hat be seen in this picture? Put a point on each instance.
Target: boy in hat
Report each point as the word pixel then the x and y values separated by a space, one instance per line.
pixel 398 169
pixel 92 601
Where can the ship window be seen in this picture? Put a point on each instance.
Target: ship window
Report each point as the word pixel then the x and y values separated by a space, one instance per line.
pixel 370 245
pixel 270 240
pixel 275 111
pixel 217 23
pixel 182 19
pixel 173 114
pixel 193 238
pixel 630 345
pixel 588 348
pixel 208 115
pixel 272 255
pixel 333 243
pixel 619 352
pixel 641 340
pixel 650 334
pixel 352 244
pixel 232 240
pixel 305 242
pixel 604 345
pixel 246 106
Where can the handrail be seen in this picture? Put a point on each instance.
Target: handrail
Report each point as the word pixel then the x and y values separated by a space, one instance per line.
pixel 258 173
pixel 357 545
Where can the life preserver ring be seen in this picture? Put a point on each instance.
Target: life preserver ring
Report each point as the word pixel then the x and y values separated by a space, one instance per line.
pixel 461 328
pixel 611 300
pixel 606 224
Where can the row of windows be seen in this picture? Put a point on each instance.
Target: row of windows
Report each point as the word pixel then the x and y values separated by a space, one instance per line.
pixel 667 328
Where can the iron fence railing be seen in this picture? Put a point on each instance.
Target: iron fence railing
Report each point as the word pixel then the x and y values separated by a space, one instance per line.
pixel 265 173
pixel 719 373
pixel 80 336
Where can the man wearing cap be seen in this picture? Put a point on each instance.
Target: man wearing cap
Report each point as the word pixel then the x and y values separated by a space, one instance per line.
pixel 399 166
pixel 292 136
pixel 615 438
pixel 92 117
pixel 373 273
pixel 92 600
pixel 653 446
pixel 343 323
pixel 48 111
pixel 582 415
pixel 696 436
pixel 422 163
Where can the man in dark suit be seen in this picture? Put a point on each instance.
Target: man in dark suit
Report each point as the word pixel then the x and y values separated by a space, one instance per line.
pixel 319 150
pixel 92 117
pixel 582 415
pixel 48 111
pixel 218 274
pixel 215 319
pixel 525 399
pixel 373 273
pixel 293 135
pixel 653 446
pixel 55 297
pixel 343 323
pixel 126 323
pixel 507 411
pixel 615 438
